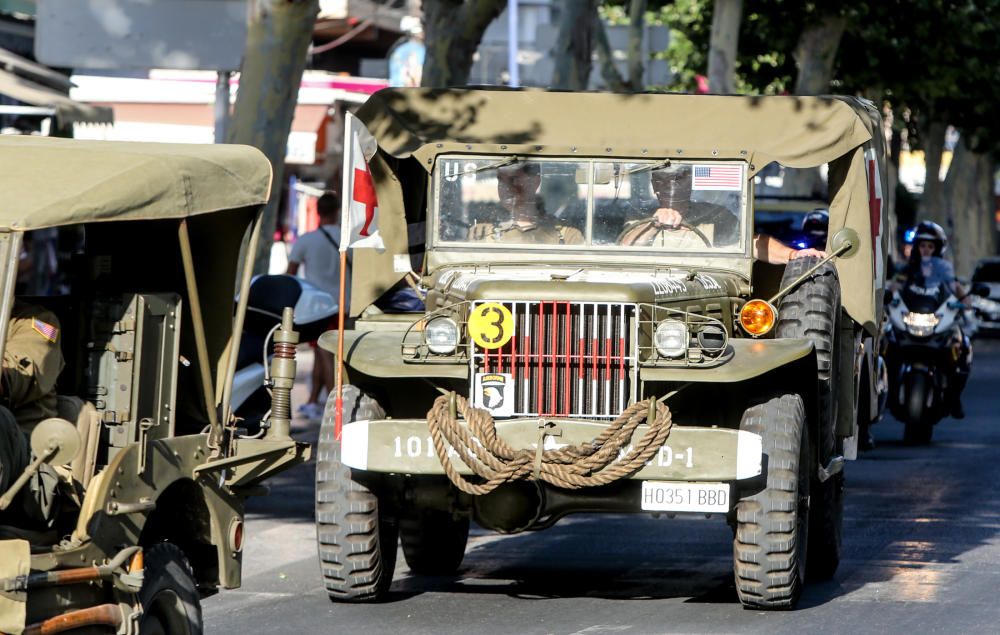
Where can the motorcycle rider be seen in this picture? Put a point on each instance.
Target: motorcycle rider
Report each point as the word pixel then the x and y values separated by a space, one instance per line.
pixel 927 269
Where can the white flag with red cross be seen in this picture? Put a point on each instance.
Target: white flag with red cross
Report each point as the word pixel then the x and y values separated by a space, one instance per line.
pixel 359 207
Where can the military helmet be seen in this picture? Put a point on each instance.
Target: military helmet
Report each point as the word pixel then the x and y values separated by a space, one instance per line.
pixel 929 230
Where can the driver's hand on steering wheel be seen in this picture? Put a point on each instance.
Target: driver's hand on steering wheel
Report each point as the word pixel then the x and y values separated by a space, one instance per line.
pixel 668 217
pixel 806 253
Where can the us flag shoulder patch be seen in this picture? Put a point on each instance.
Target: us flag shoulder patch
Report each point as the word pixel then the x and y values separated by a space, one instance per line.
pixel 46 330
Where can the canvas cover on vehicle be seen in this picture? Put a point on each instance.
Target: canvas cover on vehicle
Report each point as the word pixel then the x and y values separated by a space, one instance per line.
pixel 417 124
pixel 48 182
pixel 132 191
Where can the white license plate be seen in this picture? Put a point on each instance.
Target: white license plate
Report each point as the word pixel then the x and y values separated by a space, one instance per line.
pixel 661 496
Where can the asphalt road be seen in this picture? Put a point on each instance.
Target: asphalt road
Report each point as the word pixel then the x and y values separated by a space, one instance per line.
pixel 921 555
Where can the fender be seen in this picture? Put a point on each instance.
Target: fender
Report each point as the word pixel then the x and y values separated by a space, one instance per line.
pixel 120 502
pixel 750 358
pixel 365 351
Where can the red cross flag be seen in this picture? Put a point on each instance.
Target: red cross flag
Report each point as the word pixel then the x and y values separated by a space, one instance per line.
pixel 359 211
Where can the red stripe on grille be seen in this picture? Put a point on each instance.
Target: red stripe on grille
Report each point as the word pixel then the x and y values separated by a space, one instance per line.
pixel 567 376
pixel 540 359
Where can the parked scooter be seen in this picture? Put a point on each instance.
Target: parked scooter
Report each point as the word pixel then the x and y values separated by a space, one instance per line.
pixel 928 354
pixel 314 308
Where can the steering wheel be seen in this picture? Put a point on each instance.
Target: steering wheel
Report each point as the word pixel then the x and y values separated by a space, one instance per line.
pixel 651 223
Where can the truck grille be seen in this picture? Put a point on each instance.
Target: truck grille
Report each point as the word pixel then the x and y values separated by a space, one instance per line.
pixel 567 358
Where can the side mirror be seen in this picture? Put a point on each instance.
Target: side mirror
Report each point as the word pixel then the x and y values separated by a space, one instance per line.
pixel 847 240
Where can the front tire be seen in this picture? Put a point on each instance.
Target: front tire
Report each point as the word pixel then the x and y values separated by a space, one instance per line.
pixel 918 425
pixel 772 526
pixel 355 532
pixel 171 604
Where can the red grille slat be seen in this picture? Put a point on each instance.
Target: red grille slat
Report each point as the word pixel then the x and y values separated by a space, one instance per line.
pixel 540 361
pixel 567 375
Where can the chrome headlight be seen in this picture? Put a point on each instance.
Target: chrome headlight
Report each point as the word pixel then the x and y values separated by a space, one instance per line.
pixel 671 339
pixel 921 324
pixel 441 335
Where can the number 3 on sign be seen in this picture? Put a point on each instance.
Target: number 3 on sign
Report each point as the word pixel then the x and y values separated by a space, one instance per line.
pixel 491 325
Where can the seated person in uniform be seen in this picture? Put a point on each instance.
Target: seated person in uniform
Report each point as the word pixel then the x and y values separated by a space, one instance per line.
pixel 713 224
pixel 517 187
pixel 32 360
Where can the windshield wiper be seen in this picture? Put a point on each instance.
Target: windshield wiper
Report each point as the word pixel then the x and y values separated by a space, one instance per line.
pixel 496 165
pixel 649 167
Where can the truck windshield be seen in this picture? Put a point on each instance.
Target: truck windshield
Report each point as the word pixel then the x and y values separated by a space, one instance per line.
pixel 670 206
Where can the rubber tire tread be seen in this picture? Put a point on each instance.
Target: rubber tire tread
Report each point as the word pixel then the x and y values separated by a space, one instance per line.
pixel 433 541
pixel 166 567
pixel 918 426
pixel 355 537
pixel 811 311
pixel 771 537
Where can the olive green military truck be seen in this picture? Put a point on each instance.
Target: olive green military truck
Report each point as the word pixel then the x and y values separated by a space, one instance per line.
pixel 582 352
pixel 152 471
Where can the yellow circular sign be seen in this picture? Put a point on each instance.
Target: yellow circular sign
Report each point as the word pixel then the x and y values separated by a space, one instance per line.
pixel 491 325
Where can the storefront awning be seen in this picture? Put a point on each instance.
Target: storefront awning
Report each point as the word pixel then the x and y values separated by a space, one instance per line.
pixel 194 123
pixel 37 85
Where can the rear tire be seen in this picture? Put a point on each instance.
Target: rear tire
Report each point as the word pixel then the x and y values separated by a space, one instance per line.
pixel 918 427
pixel 356 535
pixel 772 526
pixel 433 541
pixel 171 604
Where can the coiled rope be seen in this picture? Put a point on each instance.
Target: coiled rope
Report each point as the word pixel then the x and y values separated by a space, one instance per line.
pixel 585 465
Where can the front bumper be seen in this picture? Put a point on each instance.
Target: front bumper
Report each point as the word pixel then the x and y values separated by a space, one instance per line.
pixel 404 446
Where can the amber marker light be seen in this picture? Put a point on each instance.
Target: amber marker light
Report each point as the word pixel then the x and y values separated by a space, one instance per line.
pixel 137 563
pixel 757 317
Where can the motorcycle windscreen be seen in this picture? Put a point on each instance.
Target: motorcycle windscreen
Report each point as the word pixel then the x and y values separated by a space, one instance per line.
pixel 920 299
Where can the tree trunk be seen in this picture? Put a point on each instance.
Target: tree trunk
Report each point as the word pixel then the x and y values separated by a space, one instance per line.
pixel 892 144
pixel 609 72
pixel 574 45
pixel 931 205
pixel 814 56
pixel 636 26
pixel 726 17
pixel 453 30
pixel 968 195
pixel 815 53
pixel 278 36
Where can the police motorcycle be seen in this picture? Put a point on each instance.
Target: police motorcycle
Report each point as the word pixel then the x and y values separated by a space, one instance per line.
pixel 314 309
pixel 928 355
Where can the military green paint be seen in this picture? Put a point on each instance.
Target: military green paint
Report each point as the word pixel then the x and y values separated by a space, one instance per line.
pixel 403 446
pixel 751 358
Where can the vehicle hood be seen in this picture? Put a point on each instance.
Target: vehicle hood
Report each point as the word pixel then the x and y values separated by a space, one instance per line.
pixel 571 285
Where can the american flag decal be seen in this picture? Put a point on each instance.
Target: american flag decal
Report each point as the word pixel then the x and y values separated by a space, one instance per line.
pixel 717 177
pixel 45 329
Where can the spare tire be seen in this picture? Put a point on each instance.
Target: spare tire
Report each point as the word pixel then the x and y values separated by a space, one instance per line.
pixel 812 311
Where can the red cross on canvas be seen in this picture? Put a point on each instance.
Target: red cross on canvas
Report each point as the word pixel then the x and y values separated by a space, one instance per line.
pixel 364 193
pixel 874 201
pixel 875 209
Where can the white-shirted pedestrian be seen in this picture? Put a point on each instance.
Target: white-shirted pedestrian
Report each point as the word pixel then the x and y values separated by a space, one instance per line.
pixel 316 257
